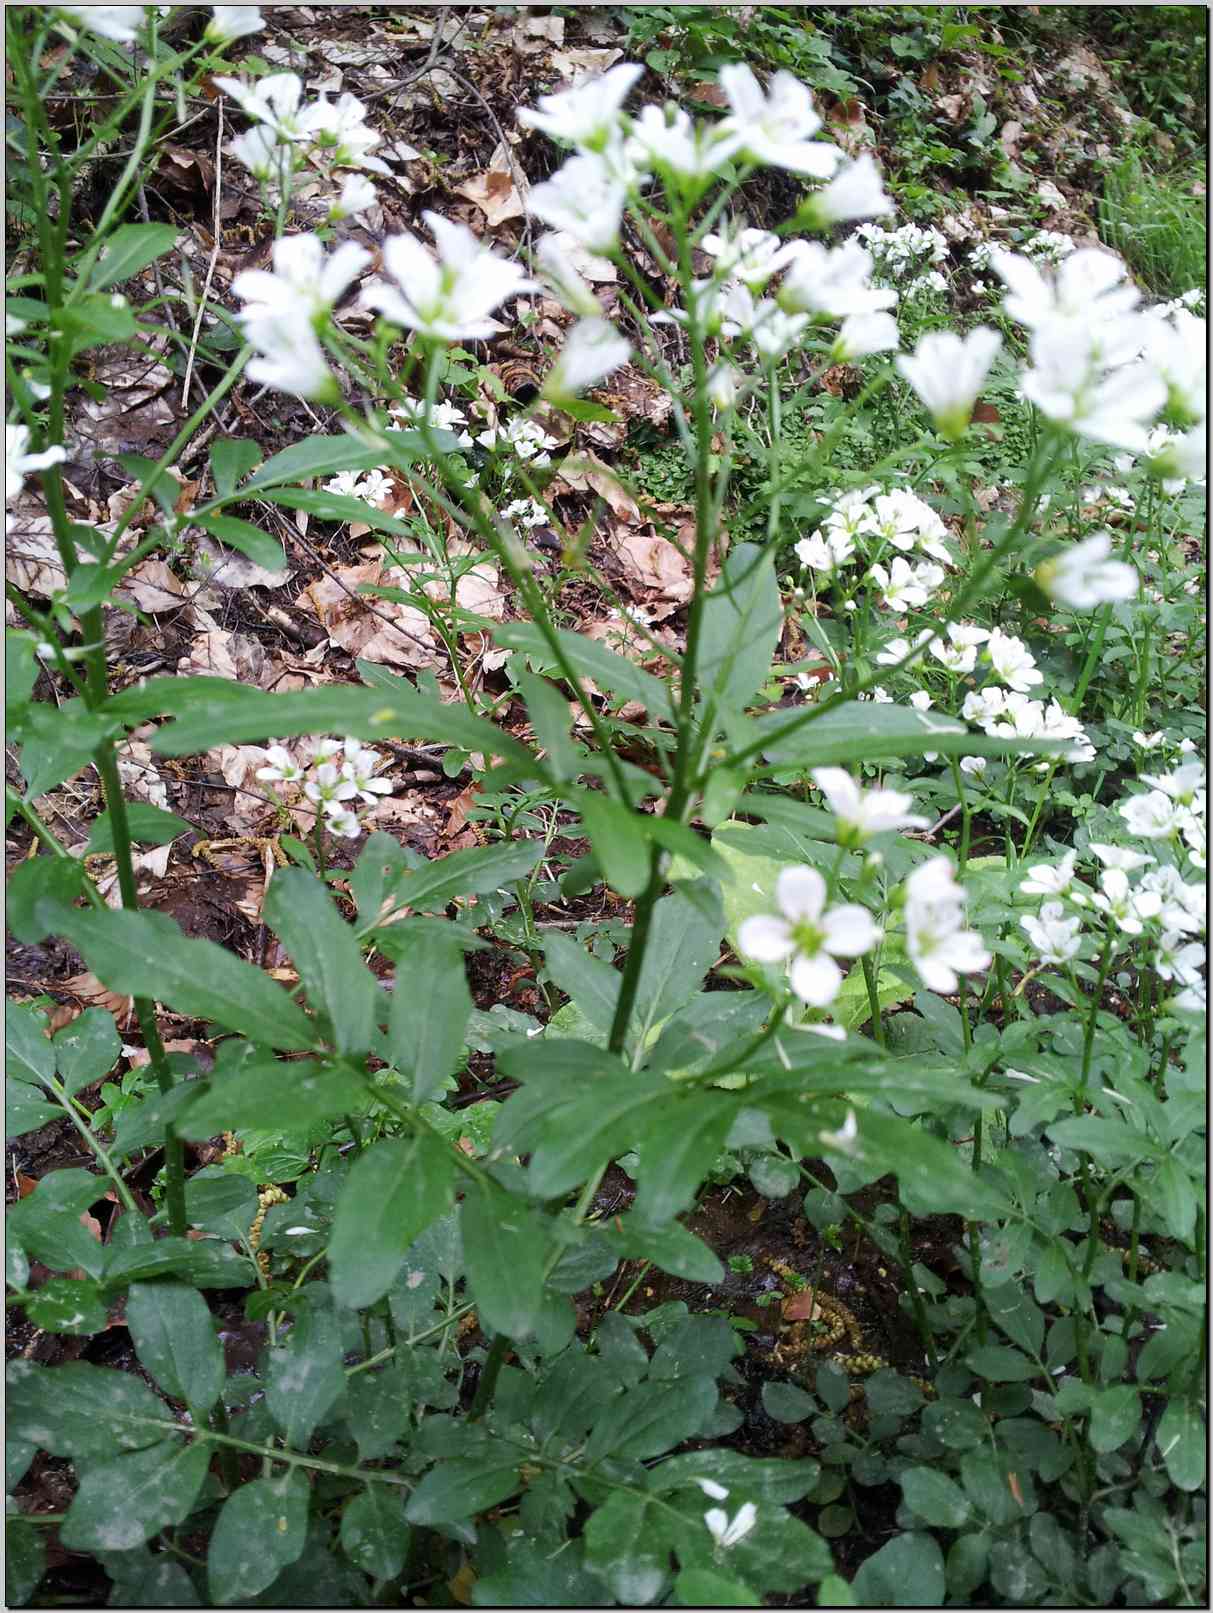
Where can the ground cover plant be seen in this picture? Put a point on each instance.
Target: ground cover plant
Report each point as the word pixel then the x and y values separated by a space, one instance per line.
pixel 745 1146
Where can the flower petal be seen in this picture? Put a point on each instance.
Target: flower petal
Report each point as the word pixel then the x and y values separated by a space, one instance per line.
pixel 817 980
pixel 850 930
pixel 765 938
pixel 800 893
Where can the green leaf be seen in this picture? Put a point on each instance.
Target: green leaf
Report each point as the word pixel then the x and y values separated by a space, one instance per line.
pixel 316 456
pixel 478 872
pixel 322 947
pixel 786 1403
pixel 24 1560
pixel 130 248
pixel 1111 1142
pixel 175 1340
pixel 28 1051
pixel 592 660
pixel 37 889
pixel 550 718
pixel 86 1049
pixel 1115 1417
pixel 868 729
pixel 205 1263
pixel 262 549
pixel 1017 1314
pixel 652 1418
pixel 121 1504
pixel 1182 1443
pixel 463 1487
pixel 775 1479
pixel 47 1222
pixel 619 841
pixel 934 1497
pixel 627 1542
pixel 340 507
pixel 1000 1364
pixel 431 1004
pixel 146 955
pixel 586 1124
pixel 393 1192
pixel 671 1248
pixel 680 1144
pixel 930 1172
pixel 684 942
pixel 81 1411
pixel 266 1094
pixel 232 458
pixel 306 1377
pixel 374 1535
pixel 93 320
pixel 261 1529
pixel 592 984
pixel 742 621
pixel 1175 1197
pixel 505 1248
pixel 907 1572
pixel 67 1305
pixel 226 717
pixel 220 1203
pixel 23 1112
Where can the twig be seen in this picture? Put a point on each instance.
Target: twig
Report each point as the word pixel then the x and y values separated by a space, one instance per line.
pixel 519 178
pixel 359 599
pixel 210 268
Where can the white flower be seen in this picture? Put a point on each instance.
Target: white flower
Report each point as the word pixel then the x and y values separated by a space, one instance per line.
pixel 1179 961
pixel 819 555
pixel 936 938
pixel 856 192
pixel 845 1138
pixel 776 128
pixel 921 701
pixel 672 139
pixel 1055 937
pixel 861 335
pixel 1178 350
pixel 1192 999
pixel 281 767
pixel 1083 576
pixel 1183 785
pixel 19 462
pixel 832 283
pixel 525 512
pixel 341 821
pixel 947 372
pixel 233 22
pixel 273 101
pixel 809 935
pixel 1126 908
pixel 713 1491
pixel 1048 879
pixel 722 385
pixel 328 787
pixel 1153 816
pixel 561 273
pixel 974 764
pixel 591 351
pixel 897 649
pixel 450 298
pixel 527 439
pixel 749 255
pixel 1089 286
pixel 1183 905
pixel 1149 741
pixel 360 768
pixel 265 156
pixel 1121 857
pixel 357 194
pixel 959 658
pixel 1111 408
pixel 305 282
pixel 588 115
pixel 864 813
pixel 119 23
pixel 341 133
pixel 901 588
pixel 727 1534
pixel 583 199
pixel 1012 661
pixel 984 705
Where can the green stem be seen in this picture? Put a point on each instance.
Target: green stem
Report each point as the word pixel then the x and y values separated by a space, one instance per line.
pixel 489 1373
pixel 870 980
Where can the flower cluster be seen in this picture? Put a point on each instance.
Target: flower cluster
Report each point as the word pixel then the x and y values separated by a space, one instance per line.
pixel 907 257
pixel 1048 246
pixel 334 775
pixel 122 23
pixel 864 523
pixel 289 133
pixel 1172 808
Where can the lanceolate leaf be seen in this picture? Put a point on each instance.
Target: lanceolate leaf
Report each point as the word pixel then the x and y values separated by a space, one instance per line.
pixel 394 1191
pixel 146 955
pixel 267 1094
pixel 175 1339
pixel 871 729
pixel 261 1529
pixel 504 1248
pixel 430 1008
pixel 742 621
pixel 322 947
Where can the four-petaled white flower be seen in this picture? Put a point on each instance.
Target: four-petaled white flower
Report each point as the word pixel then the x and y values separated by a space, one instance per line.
pixel 357 194
pixel 281 768
pixel 328 787
pixel 856 192
pixel 861 335
pixel 361 767
pixel 274 101
pixel 340 132
pixel 864 813
pixel 591 351
pixel 587 115
pixel 19 462
pixel 777 127
pixel 939 945
pixel 1120 857
pixel 584 200
pixel 1055 937
pixel 808 936
pixel 948 372
pixel 1012 661
pixel 452 297
pixel 1153 816
pixel 903 586
pixel 1083 576
pixel 831 283
pixel 727 1534
pixel 233 22
pixel 749 255
pixel 1127 908
pixel 1050 879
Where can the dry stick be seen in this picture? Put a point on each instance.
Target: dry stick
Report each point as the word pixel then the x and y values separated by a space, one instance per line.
pixel 210 268
pixel 360 599
pixel 516 173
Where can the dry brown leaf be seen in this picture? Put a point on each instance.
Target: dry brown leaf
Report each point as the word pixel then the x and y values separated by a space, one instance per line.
pixel 353 628
pixel 581 473
pixel 574 65
pixel 655 573
pixel 154 587
pixel 954 107
pixel 31 559
pixel 495 194
pixel 216 567
pixel 219 654
pixel 89 990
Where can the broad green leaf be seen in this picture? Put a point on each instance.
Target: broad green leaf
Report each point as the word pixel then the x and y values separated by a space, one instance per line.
pixel 322 947
pixel 931 1173
pixel 429 1013
pixel 671 1248
pixel 130 248
pixel 28 1051
pixel 175 1339
pixel 1183 1444
pixel 591 660
pixel 1176 1198
pixel 378 1406
pixel 778 1554
pixel 262 549
pixel 394 1191
pixel 122 1503
pixel 146 955
pixel 220 1203
pixel 93 320
pixel 619 841
pixel 1112 1142
pixel 146 1581
pixel 82 1411
pixel 773 1479
pixel 224 717
pixel 305 1376
pixel 700 1587
pixel 374 1535
pixel 592 984
pixel 20 673
pixel 742 621
pixel 1017 1314
pixel 1115 1417
pixel 627 1542
pixel 261 1528
pixel 232 458
pixel 550 718
pixel 477 872
pixel 907 1572
pixel 463 1487
pixel 57 741
pixel 37 889
pixel 47 1223
pixel 533 1575
pixel 681 1142
pixel 86 1049
pixel 265 1093
pixel 652 1418
pixel 24 1560
pixel 206 1263
pixel 67 1305
pixel 934 1497
pixel 684 942
pixel 787 1403
pixel 341 507
pixel 321 456
pixel 1001 1364
pixel 505 1246
pixel 588 1124
pixel 24 1111
pixel 967 1565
